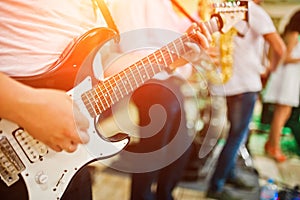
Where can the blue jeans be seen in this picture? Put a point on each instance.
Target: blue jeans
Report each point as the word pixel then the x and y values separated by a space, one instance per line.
pixel 239 112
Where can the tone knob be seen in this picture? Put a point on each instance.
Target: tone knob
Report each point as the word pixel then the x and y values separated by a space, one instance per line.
pixel 41 178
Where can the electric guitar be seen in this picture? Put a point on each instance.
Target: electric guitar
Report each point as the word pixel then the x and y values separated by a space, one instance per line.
pixel 47 173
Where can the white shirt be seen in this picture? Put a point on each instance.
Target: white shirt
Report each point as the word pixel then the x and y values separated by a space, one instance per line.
pixel 33 33
pixel 247 63
pixel 156 14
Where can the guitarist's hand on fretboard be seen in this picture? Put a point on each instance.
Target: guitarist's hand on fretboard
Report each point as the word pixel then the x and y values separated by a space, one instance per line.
pixel 203 34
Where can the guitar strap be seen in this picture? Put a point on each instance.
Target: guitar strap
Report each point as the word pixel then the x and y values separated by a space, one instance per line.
pixel 106 14
pixel 183 11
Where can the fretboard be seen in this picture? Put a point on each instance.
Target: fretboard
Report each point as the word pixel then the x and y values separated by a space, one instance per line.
pixel 102 96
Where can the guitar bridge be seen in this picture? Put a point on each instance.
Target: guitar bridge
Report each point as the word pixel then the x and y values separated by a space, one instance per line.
pixel 10 163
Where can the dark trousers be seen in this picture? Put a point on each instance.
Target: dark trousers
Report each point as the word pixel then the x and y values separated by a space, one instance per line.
pixel 166 94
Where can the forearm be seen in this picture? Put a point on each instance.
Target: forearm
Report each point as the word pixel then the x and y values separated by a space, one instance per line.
pixel 40 111
pixel 292 41
pixel 290 60
pixel 276 58
pixel 14 97
pixel 277 50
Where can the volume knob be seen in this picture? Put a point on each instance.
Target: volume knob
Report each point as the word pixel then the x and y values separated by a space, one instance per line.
pixel 41 178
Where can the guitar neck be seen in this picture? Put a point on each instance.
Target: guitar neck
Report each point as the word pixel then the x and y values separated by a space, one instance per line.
pixel 107 93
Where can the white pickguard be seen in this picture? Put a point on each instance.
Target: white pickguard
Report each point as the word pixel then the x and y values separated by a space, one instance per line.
pixel 50 176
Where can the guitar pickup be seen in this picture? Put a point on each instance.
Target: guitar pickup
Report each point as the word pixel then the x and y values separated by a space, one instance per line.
pixel 34 149
pixel 10 163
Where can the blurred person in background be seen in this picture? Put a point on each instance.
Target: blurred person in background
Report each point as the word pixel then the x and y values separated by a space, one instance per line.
pixel 283 88
pixel 241 92
pixel 164 90
pixel 29 47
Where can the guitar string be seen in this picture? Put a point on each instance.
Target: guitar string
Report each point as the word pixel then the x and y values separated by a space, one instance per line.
pixel 133 68
pixel 130 68
pixel 116 83
pixel 95 90
pixel 99 110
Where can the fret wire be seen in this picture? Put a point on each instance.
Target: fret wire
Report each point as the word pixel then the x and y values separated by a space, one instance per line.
pixel 149 69
pixel 173 43
pixel 162 55
pixel 87 101
pixel 101 97
pixel 133 76
pixel 96 101
pixel 169 58
pixel 159 65
pixel 168 61
pixel 170 53
pixel 121 80
pixel 128 80
pixel 175 51
pixel 101 87
pixel 112 88
pixel 156 59
pixel 151 65
pixel 88 105
pixel 92 105
pixel 182 45
pixel 145 70
pixel 160 60
pixel 108 92
pixel 144 75
pixel 118 87
pixel 140 72
pixel 142 78
pixel 100 106
pixel 158 68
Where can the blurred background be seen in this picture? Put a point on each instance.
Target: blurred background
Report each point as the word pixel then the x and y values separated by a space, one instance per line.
pixel 257 167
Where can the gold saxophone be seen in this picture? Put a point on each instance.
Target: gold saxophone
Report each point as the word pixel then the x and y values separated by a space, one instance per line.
pixel 224 42
pixel 226 54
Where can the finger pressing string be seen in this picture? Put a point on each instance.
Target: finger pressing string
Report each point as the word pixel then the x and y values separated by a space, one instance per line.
pixel 205 31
